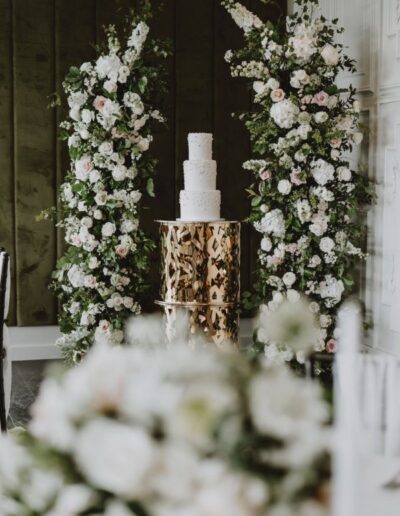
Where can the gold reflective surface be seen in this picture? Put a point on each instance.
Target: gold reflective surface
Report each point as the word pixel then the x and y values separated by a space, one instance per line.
pixel 200 272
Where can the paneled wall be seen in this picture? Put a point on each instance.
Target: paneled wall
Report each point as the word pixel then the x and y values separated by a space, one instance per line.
pixel 39 40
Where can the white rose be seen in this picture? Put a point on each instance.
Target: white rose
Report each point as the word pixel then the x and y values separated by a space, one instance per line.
pixel 289 279
pixel 84 134
pixel 83 166
pixel 321 117
pixel 314 261
pixel 110 86
pixel 303 131
pixel 123 74
pixel 266 244
pixel 89 281
pixel 330 55
pixel 325 321
pixel 119 173
pixel 106 148
pixel 135 196
pixel 326 244
pixel 284 113
pixel 87 222
pixel 108 66
pixel 74 140
pixel 293 296
pixel 97 214
pixel 128 226
pixel 87 116
pixel 273 84
pixel 332 102
pixel 93 262
pixel 343 173
pixel 75 113
pixel 101 198
pixel 259 87
pixel 108 229
pixel 322 171
pixel 94 176
pixel 109 466
pixel 284 187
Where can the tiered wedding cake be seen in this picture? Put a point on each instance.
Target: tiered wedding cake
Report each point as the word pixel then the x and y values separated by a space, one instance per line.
pixel 200 201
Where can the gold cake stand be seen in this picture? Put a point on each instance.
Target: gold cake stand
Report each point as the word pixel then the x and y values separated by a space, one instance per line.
pixel 200 274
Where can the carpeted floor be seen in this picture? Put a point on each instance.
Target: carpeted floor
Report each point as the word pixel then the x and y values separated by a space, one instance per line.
pixel 25 386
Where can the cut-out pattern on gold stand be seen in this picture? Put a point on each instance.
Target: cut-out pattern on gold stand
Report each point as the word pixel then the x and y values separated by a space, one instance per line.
pixel 200 272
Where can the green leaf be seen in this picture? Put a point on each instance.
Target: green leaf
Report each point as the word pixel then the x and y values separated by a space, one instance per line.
pixel 142 84
pixel 150 187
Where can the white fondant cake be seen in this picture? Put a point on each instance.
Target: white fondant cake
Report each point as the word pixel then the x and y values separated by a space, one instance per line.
pixel 200 201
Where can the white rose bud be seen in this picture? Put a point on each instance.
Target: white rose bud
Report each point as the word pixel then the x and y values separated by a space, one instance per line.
pixel 97 214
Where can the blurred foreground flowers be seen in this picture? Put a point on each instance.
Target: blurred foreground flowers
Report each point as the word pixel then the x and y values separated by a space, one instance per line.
pixel 152 431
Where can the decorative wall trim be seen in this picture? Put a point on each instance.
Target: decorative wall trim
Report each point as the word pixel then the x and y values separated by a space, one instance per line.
pixel 37 342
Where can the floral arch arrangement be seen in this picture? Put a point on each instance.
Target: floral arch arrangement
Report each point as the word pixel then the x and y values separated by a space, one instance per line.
pixel 305 197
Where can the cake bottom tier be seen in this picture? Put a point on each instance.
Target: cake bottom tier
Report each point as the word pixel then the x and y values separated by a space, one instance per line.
pixel 218 324
pixel 200 206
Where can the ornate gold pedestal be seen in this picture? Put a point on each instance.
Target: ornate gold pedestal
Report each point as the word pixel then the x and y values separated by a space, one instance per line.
pixel 200 273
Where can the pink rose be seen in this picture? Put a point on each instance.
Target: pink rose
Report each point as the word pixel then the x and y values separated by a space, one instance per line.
pixel 321 98
pixel 276 260
pixel 99 102
pixel 336 143
pixel 122 251
pixel 295 177
pixel 277 95
pixel 331 346
pixel 265 174
pixel 90 281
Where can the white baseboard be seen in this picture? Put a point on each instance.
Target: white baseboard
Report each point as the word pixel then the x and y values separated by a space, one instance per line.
pixel 38 342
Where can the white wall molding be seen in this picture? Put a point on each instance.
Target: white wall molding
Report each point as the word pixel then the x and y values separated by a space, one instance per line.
pixel 38 342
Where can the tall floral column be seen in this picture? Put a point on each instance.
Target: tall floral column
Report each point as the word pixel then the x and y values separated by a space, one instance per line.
pixel 305 196
pixel 102 275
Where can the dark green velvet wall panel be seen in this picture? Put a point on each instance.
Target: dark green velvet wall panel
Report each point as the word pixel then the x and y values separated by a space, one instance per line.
pixel 39 40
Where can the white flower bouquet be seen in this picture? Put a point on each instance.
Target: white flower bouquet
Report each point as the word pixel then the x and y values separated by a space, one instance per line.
pixel 101 278
pixel 306 199
pixel 154 432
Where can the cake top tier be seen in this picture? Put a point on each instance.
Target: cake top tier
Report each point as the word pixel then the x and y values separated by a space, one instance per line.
pixel 200 146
